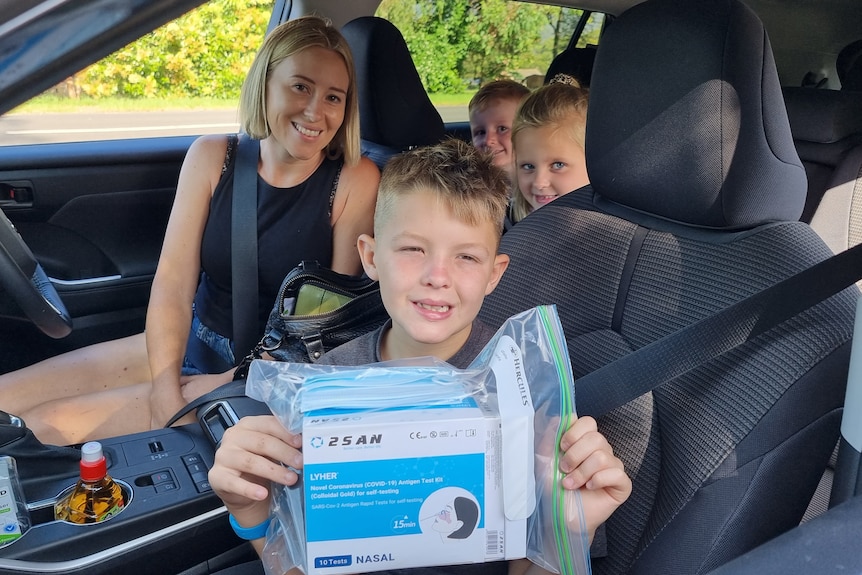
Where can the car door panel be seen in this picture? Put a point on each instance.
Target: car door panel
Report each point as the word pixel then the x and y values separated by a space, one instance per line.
pixel 94 215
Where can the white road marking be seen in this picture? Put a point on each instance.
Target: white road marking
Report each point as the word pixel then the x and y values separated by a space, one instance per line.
pixel 128 129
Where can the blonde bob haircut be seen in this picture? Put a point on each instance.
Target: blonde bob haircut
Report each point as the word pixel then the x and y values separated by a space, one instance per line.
pixel 282 42
pixel 562 105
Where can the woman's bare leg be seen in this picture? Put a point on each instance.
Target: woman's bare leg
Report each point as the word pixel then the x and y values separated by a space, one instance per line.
pixel 102 366
pixel 108 413
pixel 95 392
pixel 91 416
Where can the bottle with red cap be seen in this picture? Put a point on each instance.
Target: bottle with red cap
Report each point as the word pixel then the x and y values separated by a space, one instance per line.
pixel 96 497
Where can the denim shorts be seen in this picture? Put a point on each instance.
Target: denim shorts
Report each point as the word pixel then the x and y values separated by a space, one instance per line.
pixel 215 341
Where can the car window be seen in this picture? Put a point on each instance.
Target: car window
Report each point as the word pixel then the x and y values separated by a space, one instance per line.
pixel 458 46
pixel 593 26
pixel 181 79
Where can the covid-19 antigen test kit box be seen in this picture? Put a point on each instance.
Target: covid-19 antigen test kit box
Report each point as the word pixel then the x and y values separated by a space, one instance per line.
pixel 401 488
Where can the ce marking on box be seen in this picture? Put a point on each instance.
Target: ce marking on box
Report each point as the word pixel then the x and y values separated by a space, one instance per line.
pixel 443 434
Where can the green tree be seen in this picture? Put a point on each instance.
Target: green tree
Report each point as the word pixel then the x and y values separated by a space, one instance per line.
pixel 563 22
pixel 206 52
pixel 501 38
pixel 434 31
pixel 592 30
pixel 455 41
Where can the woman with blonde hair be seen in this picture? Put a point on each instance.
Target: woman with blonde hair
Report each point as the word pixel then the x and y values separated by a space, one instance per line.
pixel 316 195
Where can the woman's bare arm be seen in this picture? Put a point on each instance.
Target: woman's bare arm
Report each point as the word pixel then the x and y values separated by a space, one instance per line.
pixel 170 308
pixel 353 214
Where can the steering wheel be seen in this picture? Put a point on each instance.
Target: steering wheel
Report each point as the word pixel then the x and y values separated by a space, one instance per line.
pixel 24 279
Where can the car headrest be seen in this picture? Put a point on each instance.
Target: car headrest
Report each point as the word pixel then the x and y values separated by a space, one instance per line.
pixel 849 66
pixel 394 109
pixel 577 62
pixel 823 116
pixel 686 118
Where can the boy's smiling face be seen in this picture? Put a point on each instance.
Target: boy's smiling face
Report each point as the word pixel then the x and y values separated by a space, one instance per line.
pixel 491 130
pixel 434 271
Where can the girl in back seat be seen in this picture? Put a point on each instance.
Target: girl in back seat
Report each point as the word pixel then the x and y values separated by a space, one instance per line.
pixel 548 141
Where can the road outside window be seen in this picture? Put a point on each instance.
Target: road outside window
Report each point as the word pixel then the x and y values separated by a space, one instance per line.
pixel 182 79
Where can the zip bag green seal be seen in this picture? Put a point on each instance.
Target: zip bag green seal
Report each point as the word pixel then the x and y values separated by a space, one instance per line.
pixel 522 380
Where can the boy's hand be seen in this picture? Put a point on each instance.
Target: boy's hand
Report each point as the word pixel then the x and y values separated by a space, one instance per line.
pixel 251 455
pixel 591 466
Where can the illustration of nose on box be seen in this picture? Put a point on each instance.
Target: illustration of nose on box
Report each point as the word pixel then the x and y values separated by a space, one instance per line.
pixel 400 488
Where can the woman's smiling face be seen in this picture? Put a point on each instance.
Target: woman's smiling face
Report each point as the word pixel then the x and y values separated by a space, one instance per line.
pixel 306 97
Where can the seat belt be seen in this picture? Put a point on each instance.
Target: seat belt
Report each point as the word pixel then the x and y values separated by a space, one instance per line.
pixel 627 378
pixel 244 279
pixel 675 354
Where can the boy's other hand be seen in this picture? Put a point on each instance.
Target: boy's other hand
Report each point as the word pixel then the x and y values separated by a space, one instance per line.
pixel 255 451
pixel 590 465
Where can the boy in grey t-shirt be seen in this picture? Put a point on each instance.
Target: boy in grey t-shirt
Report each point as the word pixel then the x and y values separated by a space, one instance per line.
pixel 437 228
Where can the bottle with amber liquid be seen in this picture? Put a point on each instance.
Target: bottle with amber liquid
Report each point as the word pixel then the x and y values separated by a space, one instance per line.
pixel 96 497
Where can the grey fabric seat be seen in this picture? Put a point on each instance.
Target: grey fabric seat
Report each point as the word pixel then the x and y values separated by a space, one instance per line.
pixel 395 113
pixel 577 62
pixel 849 66
pixel 694 204
pixel 827 132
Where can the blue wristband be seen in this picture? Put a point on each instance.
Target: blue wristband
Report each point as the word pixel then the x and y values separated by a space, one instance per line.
pixel 249 533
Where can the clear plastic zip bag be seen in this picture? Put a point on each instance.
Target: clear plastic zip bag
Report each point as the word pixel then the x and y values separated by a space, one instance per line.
pixel 523 374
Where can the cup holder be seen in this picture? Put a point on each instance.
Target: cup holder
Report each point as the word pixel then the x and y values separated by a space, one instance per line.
pixel 127 496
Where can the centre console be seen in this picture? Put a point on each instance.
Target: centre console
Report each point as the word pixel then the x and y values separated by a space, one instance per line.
pixel 172 522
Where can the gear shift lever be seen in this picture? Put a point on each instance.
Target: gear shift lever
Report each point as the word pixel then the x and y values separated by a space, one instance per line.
pixel 35 460
pixel 9 419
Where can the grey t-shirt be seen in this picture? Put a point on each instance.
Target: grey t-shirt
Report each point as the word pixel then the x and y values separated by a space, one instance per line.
pixel 366 349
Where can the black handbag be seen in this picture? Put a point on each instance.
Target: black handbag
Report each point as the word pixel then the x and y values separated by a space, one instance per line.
pixel 316 310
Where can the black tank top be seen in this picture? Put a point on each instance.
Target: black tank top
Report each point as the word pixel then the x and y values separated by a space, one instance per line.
pixel 293 224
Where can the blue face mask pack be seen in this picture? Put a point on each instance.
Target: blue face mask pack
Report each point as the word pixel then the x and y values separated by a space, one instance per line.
pixel 415 463
pixel 385 386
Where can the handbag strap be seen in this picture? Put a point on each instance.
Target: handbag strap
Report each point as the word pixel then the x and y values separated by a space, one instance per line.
pixel 244 280
pixel 675 354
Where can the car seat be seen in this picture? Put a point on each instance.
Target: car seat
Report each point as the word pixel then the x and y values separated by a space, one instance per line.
pixel 848 64
pixel 696 192
pixel 577 62
pixel 395 113
pixel 827 133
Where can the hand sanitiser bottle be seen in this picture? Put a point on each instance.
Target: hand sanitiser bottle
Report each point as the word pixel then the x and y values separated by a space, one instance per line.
pixel 14 518
pixel 96 497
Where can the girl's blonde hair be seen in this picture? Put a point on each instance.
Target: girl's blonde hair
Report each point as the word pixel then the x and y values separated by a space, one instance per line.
pixel 562 105
pixel 282 42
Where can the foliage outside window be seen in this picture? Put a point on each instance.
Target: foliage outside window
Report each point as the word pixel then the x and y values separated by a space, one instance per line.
pixel 205 53
pixel 454 43
pixel 461 43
